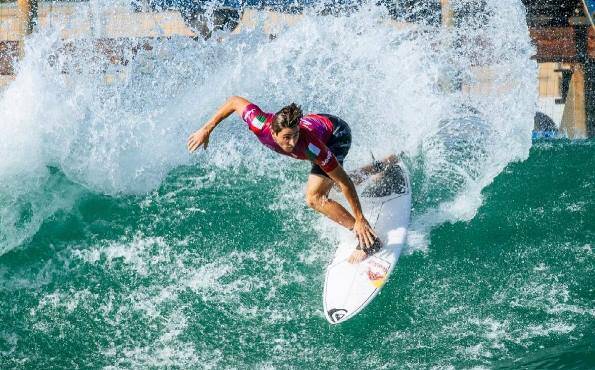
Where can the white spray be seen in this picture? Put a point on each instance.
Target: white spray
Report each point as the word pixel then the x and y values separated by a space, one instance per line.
pixel 119 129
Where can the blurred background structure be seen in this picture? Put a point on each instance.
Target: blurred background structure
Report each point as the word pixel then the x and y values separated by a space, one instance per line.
pixel 562 32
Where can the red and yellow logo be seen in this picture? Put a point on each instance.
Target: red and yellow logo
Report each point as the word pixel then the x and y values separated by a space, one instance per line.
pixel 377 273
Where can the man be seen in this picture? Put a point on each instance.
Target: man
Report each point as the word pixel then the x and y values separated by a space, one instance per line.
pixel 320 138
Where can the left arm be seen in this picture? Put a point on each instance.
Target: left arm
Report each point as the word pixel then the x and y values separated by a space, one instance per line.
pixel 362 227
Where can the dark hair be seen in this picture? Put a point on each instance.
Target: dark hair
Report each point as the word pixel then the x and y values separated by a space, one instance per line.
pixel 288 117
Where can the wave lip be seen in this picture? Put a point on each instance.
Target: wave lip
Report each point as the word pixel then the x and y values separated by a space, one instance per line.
pixel 119 129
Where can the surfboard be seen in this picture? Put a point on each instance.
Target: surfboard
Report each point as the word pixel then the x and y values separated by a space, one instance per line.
pixel 348 288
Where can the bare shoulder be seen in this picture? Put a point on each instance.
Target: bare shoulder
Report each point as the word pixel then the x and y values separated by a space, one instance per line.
pixel 239 103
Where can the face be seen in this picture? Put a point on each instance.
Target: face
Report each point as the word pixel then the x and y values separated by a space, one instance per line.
pixel 287 138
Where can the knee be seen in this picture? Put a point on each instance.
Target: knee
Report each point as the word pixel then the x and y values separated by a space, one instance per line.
pixel 315 200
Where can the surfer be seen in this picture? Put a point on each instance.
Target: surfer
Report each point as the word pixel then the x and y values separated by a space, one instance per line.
pixel 322 139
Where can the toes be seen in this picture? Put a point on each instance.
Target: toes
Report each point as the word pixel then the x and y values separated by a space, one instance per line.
pixel 357 256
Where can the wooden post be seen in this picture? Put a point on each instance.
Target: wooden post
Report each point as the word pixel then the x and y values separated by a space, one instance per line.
pixel 589 127
pixel 574 118
pixel 578 119
pixel 27 19
pixel 447 17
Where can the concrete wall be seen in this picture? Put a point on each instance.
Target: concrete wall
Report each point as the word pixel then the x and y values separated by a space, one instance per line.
pixel 81 20
pixel 550 91
pixel 274 22
pixel 119 22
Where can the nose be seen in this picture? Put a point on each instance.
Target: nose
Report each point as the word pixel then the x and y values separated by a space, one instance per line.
pixel 292 142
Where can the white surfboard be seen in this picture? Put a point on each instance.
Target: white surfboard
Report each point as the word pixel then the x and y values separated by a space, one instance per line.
pixel 348 288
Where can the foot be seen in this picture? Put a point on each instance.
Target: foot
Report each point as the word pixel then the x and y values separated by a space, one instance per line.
pixel 361 253
pixel 360 175
pixel 357 256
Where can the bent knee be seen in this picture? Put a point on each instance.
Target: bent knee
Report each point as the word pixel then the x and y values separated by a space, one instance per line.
pixel 315 200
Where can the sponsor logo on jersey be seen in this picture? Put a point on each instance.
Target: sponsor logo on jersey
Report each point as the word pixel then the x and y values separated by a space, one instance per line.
pixel 248 113
pixel 313 151
pixel 327 159
pixel 259 121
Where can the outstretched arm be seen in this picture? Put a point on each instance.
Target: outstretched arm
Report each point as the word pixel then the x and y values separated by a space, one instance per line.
pixel 201 136
pixel 361 227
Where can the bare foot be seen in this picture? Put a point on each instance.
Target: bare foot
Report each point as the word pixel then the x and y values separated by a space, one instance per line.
pixel 360 254
pixel 357 256
pixel 361 174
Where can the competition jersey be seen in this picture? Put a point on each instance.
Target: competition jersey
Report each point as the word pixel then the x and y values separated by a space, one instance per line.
pixel 315 131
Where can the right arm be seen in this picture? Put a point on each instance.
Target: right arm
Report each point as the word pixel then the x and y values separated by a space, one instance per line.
pixel 201 136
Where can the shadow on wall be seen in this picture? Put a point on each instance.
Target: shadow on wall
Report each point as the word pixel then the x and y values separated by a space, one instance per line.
pixel 544 127
pixel 543 122
pixel 202 17
pixel 205 23
pixel 205 17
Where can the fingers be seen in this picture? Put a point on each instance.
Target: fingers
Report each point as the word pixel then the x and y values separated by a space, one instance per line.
pixel 365 237
pixel 195 141
pixel 369 238
pixel 190 144
pixel 373 232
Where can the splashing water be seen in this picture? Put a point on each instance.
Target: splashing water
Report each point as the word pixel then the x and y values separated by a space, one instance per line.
pixel 119 129
pixel 120 249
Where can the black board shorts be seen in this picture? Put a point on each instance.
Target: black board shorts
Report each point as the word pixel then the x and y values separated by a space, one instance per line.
pixel 339 143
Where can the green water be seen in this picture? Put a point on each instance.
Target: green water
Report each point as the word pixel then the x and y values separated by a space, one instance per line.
pixel 217 269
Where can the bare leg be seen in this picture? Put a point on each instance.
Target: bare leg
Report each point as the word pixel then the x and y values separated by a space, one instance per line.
pixel 317 191
pixel 317 198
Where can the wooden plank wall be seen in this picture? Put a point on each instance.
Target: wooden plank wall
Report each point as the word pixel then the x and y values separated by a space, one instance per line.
pixel 553 44
pixel 8 53
pixel 558 44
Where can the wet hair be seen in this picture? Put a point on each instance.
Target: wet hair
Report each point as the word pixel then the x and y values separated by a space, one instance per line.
pixel 288 117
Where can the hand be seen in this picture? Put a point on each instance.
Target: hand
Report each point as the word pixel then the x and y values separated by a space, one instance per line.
pixel 200 137
pixel 364 232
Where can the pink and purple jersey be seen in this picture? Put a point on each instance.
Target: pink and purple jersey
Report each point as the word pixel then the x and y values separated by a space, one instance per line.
pixel 315 131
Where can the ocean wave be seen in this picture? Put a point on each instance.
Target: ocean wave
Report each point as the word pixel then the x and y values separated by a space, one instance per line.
pixel 119 129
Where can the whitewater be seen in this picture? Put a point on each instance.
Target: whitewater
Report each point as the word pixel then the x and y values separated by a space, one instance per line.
pixel 118 248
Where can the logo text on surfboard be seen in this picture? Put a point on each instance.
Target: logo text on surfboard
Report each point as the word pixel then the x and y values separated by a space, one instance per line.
pixel 377 273
pixel 336 314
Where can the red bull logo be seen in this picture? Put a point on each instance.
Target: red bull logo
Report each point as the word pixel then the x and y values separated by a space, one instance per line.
pixel 377 273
